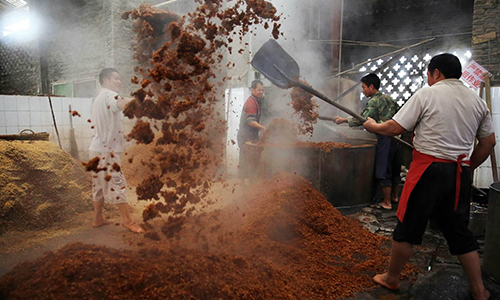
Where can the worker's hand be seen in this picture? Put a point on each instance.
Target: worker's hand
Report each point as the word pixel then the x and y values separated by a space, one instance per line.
pixel 339 120
pixel 370 124
pixel 262 128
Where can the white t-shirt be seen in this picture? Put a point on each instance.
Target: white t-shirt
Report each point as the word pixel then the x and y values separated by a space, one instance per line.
pixel 107 132
pixel 445 118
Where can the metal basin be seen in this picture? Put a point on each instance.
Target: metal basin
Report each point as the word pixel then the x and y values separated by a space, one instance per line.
pixel 343 175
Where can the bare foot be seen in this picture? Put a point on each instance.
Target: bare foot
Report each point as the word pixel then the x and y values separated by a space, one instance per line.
pixel 386 206
pixel 485 295
pixel 99 223
pixel 133 226
pixel 382 280
pixel 394 200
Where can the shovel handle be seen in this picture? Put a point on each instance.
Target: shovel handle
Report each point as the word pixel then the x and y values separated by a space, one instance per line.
pixel 325 98
pixel 343 108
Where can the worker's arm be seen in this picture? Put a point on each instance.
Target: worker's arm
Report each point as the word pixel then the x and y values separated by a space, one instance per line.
pixel 122 102
pixel 482 150
pixel 339 120
pixel 389 128
pixel 256 125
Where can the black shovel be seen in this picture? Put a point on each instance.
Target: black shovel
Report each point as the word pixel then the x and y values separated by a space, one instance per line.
pixel 283 71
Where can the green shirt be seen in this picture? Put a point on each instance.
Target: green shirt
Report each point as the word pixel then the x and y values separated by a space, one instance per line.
pixel 380 107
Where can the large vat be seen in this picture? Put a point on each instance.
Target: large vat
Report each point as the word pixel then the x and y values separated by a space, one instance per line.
pixel 344 175
pixel 491 260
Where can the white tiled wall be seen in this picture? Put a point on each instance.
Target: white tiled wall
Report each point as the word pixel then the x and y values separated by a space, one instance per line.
pixel 483 175
pixel 25 112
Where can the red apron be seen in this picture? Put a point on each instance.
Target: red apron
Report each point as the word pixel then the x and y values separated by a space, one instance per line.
pixel 418 166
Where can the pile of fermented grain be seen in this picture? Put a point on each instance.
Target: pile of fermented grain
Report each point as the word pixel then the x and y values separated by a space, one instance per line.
pixel 284 241
pixel 179 75
pixel 283 133
pixel 305 108
pixel 39 184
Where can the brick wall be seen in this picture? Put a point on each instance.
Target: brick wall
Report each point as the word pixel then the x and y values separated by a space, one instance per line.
pixel 19 65
pixel 93 36
pixel 81 38
pixel 487 20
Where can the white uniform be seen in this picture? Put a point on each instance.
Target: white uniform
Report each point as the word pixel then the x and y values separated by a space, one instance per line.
pixel 107 143
pixel 433 112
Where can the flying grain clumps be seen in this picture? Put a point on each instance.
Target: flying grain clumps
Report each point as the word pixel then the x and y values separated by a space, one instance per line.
pixel 176 74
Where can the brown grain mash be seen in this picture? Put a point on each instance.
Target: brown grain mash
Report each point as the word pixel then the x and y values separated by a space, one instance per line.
pixel 284 241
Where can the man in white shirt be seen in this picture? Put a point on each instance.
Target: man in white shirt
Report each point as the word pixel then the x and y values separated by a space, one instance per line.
pixel 108 183
pixel 445 117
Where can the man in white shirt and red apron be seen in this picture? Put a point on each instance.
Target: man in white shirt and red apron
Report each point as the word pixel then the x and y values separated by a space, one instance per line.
pixel 445 117
pixel 108 140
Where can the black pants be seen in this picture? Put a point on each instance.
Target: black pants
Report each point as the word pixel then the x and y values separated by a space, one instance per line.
pixel 434 198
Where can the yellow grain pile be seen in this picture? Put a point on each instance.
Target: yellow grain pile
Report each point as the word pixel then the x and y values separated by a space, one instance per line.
pixel 40 184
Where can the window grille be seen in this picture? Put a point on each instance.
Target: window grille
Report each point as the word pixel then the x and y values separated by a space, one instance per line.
pixel 406 75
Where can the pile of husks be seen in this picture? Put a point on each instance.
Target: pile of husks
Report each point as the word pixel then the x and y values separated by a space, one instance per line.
pixel 284 241
pixel 40 184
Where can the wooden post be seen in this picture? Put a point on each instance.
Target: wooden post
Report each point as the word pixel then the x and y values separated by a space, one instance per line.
pixel 481 92
pixel 493 159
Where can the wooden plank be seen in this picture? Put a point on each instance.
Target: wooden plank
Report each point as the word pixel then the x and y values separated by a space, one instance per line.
pixel 483 38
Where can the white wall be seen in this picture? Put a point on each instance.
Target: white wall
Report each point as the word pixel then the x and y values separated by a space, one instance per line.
pixel 27 112
pixel 483 175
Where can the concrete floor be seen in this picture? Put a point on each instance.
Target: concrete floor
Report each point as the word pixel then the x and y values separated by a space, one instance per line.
pixel 441 275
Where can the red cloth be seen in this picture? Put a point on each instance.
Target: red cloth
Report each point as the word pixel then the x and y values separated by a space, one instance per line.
pixel 251 107
pixel 418 166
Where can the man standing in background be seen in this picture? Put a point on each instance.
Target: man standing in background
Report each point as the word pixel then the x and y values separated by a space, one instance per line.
pixel 381 108
pixel 445 117
pixel 108 140
pixel 250 127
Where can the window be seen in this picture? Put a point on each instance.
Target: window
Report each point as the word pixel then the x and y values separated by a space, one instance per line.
pixel 16 20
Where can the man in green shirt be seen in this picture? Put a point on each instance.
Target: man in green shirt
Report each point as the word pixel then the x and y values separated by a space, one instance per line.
pixel 381 108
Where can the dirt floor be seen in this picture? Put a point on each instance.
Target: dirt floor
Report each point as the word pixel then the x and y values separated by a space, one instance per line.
pixel 440 276
pixel 20 245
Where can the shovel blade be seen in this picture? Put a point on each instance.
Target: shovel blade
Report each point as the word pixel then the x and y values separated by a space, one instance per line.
pixel 276 65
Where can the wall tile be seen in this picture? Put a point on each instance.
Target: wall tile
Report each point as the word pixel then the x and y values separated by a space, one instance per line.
pixel 46 118
pixel 47 129
pixel 65 103
pixel 496 125
pixel 2 103
pixel 35 118
pixel 23 103
pixel 23 118
pixel 44 104
pixel 483 177
pixel 56 103
pixel 3 130
pixel 10 103
pixel 11 119
pixel 76 104
pixel 65 118
pixel 12 130
pixel 35 104
pixel 87 105
pixel 2 119
pixel 59 118
pixel 36 128
pixel 79 121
